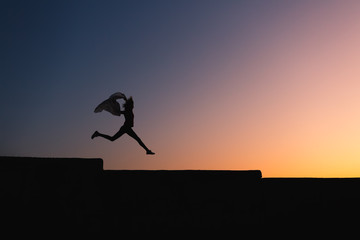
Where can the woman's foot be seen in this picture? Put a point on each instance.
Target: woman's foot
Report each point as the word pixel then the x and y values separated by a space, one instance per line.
pixel 149 152
pixel 95 134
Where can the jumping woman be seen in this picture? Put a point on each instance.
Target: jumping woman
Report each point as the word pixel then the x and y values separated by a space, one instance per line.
pixel 113 107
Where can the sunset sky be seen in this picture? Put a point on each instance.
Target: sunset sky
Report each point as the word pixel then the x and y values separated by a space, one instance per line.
pixel 230 85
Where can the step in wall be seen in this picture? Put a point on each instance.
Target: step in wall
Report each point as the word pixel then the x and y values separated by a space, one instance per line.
pixel 67 194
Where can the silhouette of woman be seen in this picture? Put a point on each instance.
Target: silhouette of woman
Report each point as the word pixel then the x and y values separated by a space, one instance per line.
pixel 127 127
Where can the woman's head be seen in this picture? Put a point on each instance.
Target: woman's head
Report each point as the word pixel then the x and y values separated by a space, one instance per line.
pixel 129 104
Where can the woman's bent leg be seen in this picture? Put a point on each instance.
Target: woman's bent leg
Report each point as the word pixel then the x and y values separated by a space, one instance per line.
pixel 111 138
pixel 132 134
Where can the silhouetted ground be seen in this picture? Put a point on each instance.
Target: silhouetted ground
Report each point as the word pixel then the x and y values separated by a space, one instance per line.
pixel 58 195
pixel 329 205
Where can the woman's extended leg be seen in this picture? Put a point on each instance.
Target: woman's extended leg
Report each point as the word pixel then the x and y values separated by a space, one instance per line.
pixel 110 138
pixel 132 134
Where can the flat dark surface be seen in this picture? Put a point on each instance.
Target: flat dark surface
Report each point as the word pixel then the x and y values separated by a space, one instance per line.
pixel 330 202
pixel 82 164
pixel 71 194
pixel 178 200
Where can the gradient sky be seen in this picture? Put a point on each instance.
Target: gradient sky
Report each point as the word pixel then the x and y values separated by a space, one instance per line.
pixel 233 85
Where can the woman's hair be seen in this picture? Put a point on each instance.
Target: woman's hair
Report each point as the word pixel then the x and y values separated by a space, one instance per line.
pixel 129 104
